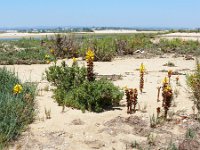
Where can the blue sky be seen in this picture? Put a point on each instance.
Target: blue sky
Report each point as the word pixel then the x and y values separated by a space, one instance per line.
pixel 120 13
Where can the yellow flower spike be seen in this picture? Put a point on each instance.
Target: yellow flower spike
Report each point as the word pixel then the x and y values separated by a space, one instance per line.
pixel 52 51
pixel 165 81
pixel 47 56
pixel 74 60
pixel 17 89
pixel 170 72
pixel 142 67
pixel 89 55
pixel 48 61
pixel 125 88
pixel 168 88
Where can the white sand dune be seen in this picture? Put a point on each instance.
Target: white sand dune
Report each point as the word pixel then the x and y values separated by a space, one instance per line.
pixel 24 35
pixel 183 36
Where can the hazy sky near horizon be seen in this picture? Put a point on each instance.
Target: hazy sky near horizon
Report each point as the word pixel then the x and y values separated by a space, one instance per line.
pixel 124 13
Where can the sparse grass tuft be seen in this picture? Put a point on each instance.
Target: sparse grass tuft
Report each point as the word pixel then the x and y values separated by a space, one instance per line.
pixel 190 134
pixel 169 64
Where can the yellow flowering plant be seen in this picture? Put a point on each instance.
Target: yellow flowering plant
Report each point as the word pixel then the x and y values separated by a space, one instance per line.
pixel 48 61
pixel 89 55
pixel 52 51
pixel 17 89
pixel 47 56
pixel 142 70
pixel 90 66
pixel 74 60
pixel 165 80
pixel 167 99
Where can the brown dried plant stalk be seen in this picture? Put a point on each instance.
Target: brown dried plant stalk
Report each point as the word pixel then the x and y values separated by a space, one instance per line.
pixel 135 97
pixel 158 96
pixel 128 100
pixel 169 75
pixel 167 99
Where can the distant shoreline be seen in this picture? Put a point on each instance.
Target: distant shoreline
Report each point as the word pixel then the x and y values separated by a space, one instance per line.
pixel 183 36
pixel 4 36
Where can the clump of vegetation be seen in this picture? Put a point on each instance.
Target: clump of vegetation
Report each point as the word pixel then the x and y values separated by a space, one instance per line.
pixel 135 144
pixel 47 113
pixel 64 46
pixel 190 134
pixel 17 106
pixel 153 121
pixel 76 87
pixel 24 51
pixel 179 46
pixel 169 64
pixel 193 81
pixel 104 48
pixel 152 139
pixel 172 146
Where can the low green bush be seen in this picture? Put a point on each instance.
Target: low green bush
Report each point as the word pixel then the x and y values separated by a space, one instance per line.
pixel 179 46
pixel 94 96
pixel 193 81
pixel 17 110
pixel 65 78
pixel 24 51
pixel 74 90
pixel 127 45
pixel 64 46
pixel 104 48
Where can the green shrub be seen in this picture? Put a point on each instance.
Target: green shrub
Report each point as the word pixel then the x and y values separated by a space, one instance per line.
pixel 94 96
pixel 65 78
pixel 193 82
pixel 127 45
pixel 17 110
pixel 64 46
pixel 103 48
pixel 179 46
pixel 24 51
pixel 74 90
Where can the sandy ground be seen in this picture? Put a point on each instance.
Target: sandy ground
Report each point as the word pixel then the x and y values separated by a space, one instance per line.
pixel 24 35
pixel 184 36
pixel 74 130
pixel 124 31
